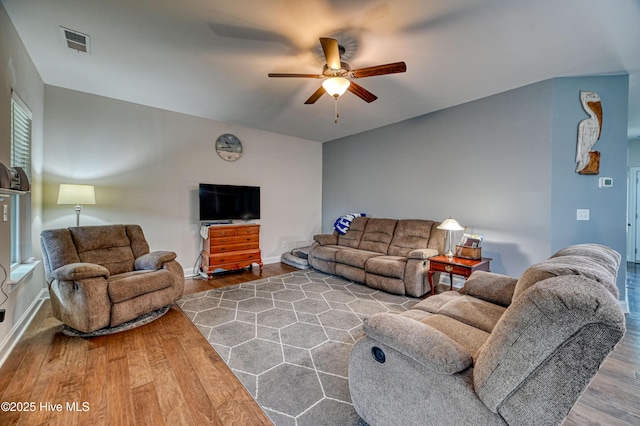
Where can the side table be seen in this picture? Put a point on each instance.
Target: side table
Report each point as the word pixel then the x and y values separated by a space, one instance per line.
pixel 455 266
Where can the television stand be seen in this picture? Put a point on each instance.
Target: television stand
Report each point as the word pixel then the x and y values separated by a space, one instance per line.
pixel 230 248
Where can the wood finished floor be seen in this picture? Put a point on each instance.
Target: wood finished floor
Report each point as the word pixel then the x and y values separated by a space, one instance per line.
pixel 166 373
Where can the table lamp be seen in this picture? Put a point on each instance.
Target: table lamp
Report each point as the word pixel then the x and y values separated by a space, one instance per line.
pixel 78 195
pixel 450 225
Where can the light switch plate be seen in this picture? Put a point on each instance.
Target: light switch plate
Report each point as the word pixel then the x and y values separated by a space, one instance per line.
pixel 582 214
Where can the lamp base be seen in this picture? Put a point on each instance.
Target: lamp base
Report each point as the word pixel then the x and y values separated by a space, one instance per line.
pixel 78 208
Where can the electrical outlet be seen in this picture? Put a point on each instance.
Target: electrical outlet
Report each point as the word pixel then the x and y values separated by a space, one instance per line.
pixel 284 245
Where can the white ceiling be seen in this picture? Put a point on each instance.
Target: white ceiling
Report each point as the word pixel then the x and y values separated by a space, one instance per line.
pixel 210 58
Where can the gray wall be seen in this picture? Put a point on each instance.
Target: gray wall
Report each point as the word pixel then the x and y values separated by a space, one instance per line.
pixel 503 166
pixel 485 163
pixel 17 72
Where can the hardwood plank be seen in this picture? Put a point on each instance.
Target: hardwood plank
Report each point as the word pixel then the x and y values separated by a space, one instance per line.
pixel 139 369
pixel 167 373
pixel 585 415
pixel 173 404
pixel 200 406
pixel 147 406
pixel 59 383
pixel 94 388
pixel 120 407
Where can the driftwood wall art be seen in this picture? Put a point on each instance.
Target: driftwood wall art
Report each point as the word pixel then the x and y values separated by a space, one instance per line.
pixel 589 131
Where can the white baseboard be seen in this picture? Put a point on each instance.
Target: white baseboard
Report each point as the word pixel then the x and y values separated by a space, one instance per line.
pixel 270 260
pixel 20 327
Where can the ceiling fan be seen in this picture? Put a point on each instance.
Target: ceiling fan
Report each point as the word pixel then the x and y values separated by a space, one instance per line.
pixel 338 75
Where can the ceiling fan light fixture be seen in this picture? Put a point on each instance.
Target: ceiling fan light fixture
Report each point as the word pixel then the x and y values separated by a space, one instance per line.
pixel 336 86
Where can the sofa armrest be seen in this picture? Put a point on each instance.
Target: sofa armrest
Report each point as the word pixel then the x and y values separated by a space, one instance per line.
pixel 420 342
pixel 491 287
pixel 326 239
pixel 422 254
pixel 80 271
pixel 154 260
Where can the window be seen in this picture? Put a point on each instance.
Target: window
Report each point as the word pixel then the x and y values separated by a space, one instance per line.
pixel 20 157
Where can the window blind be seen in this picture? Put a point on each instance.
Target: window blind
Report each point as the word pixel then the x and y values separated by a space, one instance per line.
pixel 20 135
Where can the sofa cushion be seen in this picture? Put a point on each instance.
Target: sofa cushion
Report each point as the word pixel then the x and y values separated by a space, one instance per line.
pixel 416 314
pixel 350 272
pixel 474 312
pixel 438 238
pixel 433 303
pixel 388 266
pixel 107 245
pixel 354 234
pixel 566 265
pixel 133 284
pixel 468 337
pixel 410 234
pixel 494 288
pixel 388 284
pixel 80 271
pixel 153 261
pixel 378 235
pixel 138 242
pixel 603 255
pixel 58 249
pixel 356 258
pixel 327 252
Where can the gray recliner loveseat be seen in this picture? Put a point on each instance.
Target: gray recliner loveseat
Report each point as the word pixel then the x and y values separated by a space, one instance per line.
pixel 386 254
pixel 104 277
pixel 500 351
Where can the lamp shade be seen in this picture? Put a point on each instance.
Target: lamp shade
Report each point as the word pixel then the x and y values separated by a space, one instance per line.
pixel 450 225
pixel 336 86
pixel 76 194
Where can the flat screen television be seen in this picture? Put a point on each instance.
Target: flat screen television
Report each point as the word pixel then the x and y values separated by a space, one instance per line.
pixel 229 202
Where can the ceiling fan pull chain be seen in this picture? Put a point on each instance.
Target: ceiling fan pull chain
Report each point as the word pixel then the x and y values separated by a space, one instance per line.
pixel 336 108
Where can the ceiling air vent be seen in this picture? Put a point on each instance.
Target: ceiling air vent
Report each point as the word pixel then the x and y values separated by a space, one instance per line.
pixel 75 40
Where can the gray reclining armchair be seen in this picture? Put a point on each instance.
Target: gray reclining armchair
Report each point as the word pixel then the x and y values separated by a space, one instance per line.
pixel 501 351
pixel 103 279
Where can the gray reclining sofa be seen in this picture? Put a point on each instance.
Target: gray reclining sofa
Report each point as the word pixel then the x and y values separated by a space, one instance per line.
pixel 386 254
pixel 501 351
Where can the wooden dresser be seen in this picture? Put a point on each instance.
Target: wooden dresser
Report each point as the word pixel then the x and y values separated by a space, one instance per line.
pixel 231 247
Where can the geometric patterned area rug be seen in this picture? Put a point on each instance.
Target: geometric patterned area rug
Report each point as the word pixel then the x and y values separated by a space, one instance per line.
pixel 288 339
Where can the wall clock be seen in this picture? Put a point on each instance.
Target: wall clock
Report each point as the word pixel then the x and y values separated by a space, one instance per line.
pixel 229 147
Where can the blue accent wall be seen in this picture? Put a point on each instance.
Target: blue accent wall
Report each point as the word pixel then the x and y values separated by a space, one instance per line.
pixel 572 191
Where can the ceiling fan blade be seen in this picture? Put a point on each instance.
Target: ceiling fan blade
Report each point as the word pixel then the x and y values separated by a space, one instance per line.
pixel 331 52
pixel 316 95
pixel 285 75
pixel 362 93
pixel 393 68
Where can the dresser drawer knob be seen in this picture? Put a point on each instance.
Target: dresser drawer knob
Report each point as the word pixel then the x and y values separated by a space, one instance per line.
pixel 448 268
